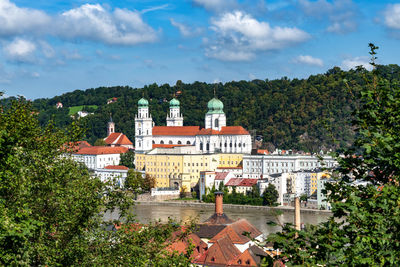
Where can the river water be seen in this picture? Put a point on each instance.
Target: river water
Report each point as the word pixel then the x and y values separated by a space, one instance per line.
pixel 146 212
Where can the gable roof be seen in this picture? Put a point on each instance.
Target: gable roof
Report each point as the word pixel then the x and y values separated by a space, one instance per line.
pixel 236 231
pixel 176 130
pixel 233 130
pixel 117 139
pixel 165 145
pixel 222 252
pixel 101 150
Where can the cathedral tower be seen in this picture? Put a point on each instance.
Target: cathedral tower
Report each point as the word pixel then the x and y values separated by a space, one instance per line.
pixel 143 128
pixel 174 118
pixel 215 117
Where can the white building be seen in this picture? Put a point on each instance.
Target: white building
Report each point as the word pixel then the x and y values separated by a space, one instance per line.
pixel 96 157
pixel 112 172
pixel 216 137
pixel 259 166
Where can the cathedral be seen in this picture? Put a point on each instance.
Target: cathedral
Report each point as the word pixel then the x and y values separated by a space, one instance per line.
pixel 216 137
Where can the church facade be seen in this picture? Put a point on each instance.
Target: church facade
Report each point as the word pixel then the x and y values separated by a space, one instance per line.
pixel 216 137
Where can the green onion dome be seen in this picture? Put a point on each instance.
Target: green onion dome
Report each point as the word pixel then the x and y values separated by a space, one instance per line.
pixel 174 102
pixel 143 103
pixel 215 106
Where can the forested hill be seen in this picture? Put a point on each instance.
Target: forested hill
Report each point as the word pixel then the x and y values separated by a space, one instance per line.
pixel 305 114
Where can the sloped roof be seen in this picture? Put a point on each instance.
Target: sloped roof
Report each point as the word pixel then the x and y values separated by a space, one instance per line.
pixel 241 182
pixel 222 252
pixel 221 175
pixel 208 131
pixel 117 139
pixel 176 130
pixel 236 231
pixel 75 146
pixel 116 167
pixel 100 150
pixel 233 130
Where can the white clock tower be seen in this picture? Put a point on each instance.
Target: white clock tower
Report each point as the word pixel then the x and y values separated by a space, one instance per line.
pixel 143 128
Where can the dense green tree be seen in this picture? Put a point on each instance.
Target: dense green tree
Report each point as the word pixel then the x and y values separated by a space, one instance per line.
pixel 51 208
pixel 100 142
pixel 149 182
pixel 127 159
pixel 270 196
pixel 134 181
pixel 365 227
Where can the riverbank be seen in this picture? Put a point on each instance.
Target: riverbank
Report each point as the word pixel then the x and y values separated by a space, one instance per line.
pixel 185 203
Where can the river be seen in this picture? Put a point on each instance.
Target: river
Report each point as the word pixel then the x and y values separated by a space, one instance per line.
pixel 146 212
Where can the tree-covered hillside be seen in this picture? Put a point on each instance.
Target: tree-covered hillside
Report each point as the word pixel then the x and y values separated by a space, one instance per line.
pixel 307 114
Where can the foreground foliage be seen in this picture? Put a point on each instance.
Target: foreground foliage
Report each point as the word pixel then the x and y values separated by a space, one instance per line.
pixel 51 209
pixel 365 227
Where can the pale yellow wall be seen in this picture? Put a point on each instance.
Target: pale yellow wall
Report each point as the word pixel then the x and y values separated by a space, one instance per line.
pixel 230 160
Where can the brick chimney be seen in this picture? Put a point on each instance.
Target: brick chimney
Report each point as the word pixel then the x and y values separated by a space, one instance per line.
pixel 219 196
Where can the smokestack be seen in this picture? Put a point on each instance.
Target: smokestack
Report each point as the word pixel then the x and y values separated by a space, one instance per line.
pixel 219 196
pixel 297 213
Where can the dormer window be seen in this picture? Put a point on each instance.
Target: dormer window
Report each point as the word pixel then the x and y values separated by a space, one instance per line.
pixel 213 259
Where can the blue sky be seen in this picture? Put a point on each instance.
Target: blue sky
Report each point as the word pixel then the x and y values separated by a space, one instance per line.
pixel 52 47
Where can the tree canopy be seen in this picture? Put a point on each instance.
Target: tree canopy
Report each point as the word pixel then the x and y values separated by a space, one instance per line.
pixel 51 209
pixel 365 227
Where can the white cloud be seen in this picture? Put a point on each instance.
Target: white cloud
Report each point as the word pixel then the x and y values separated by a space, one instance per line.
pixel 20 50
pixel 352 63
pixel 340 13
pixel 308 60
pixel 47 50
pixel 239 36
pixel 15 20
pixel 154 8
pixel 87 22
pixel 216 5
pixel 185 30
pixel 392 16
pixel 121 27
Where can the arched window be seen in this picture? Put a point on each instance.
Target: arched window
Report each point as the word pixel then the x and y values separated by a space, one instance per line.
pixel 216 123
pixel 170 142
pixel 208 146
pixel 226 144
pixel 201 146
pixel 153 142
pixel 220 145
pixel 179 142
pixel 147 132
pixel 244 145
pixel 140 132
pixel 235 144
pixel 188 142
pixel 240 144
pixel 230 145
pixel 162 142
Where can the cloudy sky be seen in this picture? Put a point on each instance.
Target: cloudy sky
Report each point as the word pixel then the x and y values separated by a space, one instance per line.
pixel 52 47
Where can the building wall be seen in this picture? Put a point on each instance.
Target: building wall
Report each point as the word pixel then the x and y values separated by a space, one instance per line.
pixel 106 175
pixel 97 161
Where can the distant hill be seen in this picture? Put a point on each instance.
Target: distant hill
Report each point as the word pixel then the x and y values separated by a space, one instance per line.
pixel 308 114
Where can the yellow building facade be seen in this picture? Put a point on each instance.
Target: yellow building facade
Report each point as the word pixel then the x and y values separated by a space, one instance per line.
pixel 175 168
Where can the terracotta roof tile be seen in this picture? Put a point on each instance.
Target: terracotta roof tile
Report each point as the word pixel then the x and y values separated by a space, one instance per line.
pixel 117 139
pixel 222 252
pixel 100 150
pixel 75 146
pixel 207 132
pixel 221 175
pixel 116 167
pixel 236 231
pixel 233 130
pixel 176 130
pixel 241 182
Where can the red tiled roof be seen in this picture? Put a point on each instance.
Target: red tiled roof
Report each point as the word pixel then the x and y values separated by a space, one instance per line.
pixel 262 151
pixel 222 252
pixel 165 145
pixel 241 182
pixel 75 146
pixel 117 139
pixel 176 130
pixel 116 167
pixel 233 130
pixel 100 150
pixel 207 132
pixel 221 175
pixel 235 232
